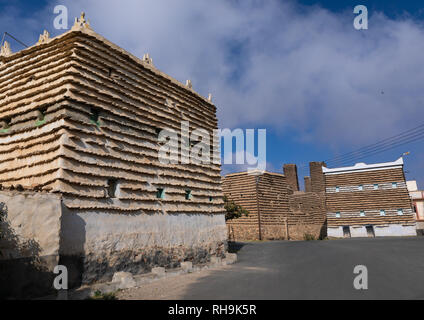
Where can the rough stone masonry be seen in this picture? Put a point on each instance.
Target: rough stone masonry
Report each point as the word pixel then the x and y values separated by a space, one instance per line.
pixel 277 209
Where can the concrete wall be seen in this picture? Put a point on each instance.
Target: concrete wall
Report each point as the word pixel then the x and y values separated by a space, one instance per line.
pixel 395 230
pixel 358 232
pixel 101 243
pixel 335 232
pixel 419 205
pixel 29 242
pixel 389 230
pixel 420 228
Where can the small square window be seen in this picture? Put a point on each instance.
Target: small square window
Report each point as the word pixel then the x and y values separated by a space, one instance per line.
pixel 337 189
pixel 157 131
pixel 376 187
pixel 111 188
pixel 160 194
pixel 400 212
pixel 362 213
pixel 5 123
pixel 41 113
pixel 94 116
pixel 337 214
pixel 382 212
pixel 360 187
pixel 394 185
pixel 210 199
pixel 188 195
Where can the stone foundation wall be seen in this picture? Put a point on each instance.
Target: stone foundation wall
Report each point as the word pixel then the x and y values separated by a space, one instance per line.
pixel 299 232
pixel 243 232
pixel 273 232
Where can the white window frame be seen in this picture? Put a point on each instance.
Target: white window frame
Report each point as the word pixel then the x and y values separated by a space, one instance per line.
pixel 382 212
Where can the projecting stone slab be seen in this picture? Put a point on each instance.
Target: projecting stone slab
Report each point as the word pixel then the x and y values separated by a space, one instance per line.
pixel 124 279
pixel 187 266
pixel 230 258
pixel 216 260
pixel 159 271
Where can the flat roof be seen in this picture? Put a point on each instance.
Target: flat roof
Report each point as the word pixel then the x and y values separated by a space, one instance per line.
pixel 253 173
pixel 361 167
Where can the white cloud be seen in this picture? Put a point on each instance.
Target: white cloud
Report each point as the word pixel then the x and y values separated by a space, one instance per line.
pixel 250 162
pixel 302 69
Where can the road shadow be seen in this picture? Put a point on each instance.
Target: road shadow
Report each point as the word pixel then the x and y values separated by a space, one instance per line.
pixel 234 246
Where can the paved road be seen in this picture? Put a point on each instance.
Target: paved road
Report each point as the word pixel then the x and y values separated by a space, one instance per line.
pixel 319 270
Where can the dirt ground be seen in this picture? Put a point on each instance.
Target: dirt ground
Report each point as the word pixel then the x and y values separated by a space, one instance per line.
pixel 172 288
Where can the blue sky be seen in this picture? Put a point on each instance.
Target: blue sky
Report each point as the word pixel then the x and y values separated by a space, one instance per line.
pixel 296 68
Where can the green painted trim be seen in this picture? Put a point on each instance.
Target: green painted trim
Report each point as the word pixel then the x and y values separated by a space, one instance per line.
pixel 40 122
pixel 160 193
pixel 97 123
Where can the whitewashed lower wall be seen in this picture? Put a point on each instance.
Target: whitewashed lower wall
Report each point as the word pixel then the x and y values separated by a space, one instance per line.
pixel 29 242
pixel 102 243
pixel 31 224
pixel 335 232
pixel 395 230
pixel 389 230
pixel 91 232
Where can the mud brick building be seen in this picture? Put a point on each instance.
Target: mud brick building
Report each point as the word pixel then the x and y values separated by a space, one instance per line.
pixel 277 209
pixel 368 200
pixel 79 163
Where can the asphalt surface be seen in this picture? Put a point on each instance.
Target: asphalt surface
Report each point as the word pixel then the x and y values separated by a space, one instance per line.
pixel 319 270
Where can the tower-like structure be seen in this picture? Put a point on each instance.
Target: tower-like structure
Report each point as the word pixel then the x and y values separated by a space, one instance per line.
pixel 80 120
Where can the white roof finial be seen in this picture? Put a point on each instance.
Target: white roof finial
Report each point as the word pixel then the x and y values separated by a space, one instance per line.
pixel 210 97
pixel 44 37
pixel 147 59
pixel 81 23
pixel 5 50
pixel 189 84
